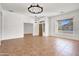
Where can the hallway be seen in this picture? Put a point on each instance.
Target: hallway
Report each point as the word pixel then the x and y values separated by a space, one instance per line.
pixel 40 46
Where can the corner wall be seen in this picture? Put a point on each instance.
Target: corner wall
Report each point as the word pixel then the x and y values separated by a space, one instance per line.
pixel 12 25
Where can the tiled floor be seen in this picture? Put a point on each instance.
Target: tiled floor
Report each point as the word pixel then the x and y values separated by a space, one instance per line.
pixel 40 46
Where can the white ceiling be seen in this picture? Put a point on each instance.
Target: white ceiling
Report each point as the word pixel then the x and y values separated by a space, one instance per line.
pixel 49 8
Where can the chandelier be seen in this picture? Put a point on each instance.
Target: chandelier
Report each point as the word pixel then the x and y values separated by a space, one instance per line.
pixel 35 9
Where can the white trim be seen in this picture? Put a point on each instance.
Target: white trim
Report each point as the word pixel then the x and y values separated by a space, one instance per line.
pixel 8 38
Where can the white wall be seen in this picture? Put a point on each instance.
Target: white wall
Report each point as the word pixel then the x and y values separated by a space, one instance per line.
pixel 53 30
pixel 46 26
pixel 0 24
pixel 0 8
pixel 35 29
pixel 28 28
pixel 12 25
pixel 0 28
pixel 28 19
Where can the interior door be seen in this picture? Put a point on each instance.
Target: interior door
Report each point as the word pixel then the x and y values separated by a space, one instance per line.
pixel 40 30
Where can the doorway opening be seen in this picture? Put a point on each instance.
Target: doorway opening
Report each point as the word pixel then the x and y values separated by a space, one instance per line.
pixel 28 29
pixel 42 29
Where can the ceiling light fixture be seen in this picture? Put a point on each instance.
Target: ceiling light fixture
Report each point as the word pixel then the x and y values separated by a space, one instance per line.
pixel 35 9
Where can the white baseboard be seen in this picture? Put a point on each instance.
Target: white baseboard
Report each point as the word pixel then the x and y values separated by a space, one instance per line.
pixel 67 37
pixel 13 37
